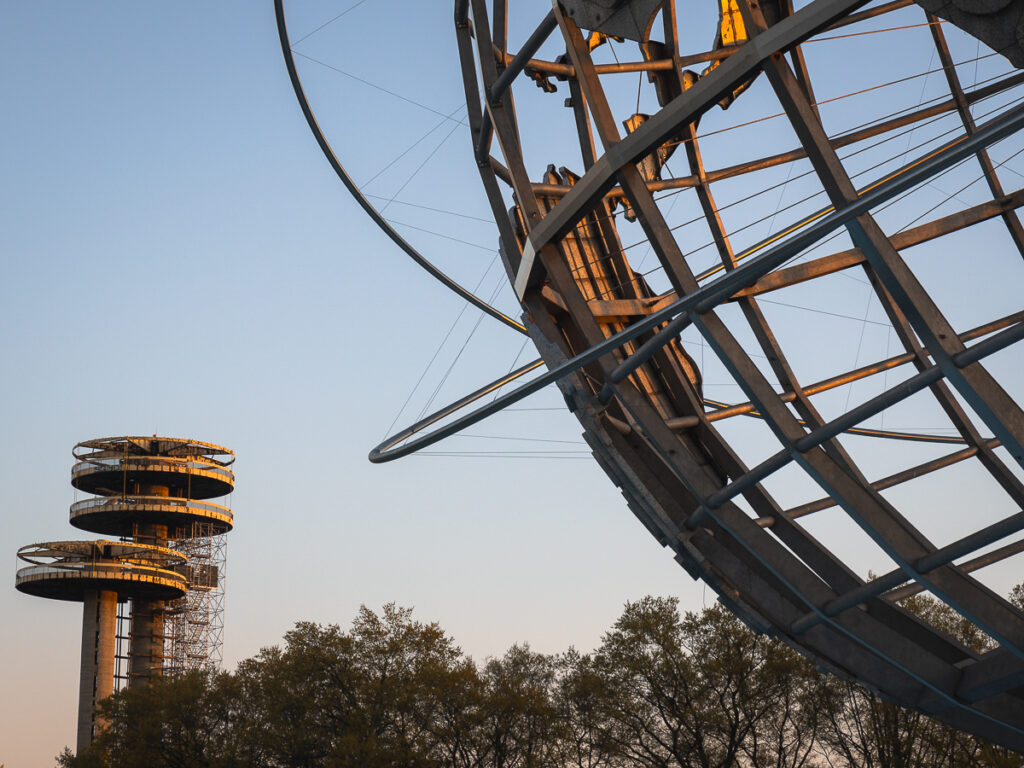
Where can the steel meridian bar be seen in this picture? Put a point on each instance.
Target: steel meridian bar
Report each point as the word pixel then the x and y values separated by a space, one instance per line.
pixel 895 578
pixel 968 566
pixel 356 193
pixel 865 410
pixel 731 282
pixel 834 623
pixel 681 312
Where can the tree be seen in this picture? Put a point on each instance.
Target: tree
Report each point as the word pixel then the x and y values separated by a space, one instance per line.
pixel 368 697
pixel 519 725
pixel 288 694
pixel 862 730
pixel 177 722
pixel 661 691
pixel 457 694
pixel 581 697
pixel 402 666
pixel 796 696
pixel 702 690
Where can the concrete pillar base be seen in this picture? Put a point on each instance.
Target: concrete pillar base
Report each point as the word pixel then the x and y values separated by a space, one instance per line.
pixel 96 680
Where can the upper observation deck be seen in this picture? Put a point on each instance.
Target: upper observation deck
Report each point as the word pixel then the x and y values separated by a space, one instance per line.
pixel 67 570
pixel 151 467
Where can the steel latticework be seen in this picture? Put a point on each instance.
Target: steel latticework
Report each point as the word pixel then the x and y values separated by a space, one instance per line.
pixel 772 518
pixel 122 637
pixel 153 601
pixel 194 624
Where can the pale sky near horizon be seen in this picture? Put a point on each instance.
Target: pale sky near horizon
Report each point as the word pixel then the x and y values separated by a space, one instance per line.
pixel 178 258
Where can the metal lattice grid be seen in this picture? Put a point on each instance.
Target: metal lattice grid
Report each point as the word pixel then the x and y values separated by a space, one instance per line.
pixel 194 624
pixel 121 644
pixel 790 514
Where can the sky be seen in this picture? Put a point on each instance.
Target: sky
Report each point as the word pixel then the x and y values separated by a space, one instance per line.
pixel 178 259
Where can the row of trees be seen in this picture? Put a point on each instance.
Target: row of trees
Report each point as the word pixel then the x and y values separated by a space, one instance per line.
pixel 661 691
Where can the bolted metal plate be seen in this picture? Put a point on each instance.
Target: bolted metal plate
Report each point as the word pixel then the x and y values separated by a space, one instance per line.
pixel 630 19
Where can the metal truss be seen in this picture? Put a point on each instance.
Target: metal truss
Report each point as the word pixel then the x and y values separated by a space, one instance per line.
pixel 613 344
pixel 612 341
pixel 194 624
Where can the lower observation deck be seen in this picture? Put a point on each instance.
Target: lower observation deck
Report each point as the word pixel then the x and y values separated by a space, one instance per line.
pixel 118 515
pixel 78 567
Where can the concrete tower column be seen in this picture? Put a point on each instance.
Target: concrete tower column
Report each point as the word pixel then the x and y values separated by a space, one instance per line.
pixel 96 681
pixel 146 646
pixel 146 650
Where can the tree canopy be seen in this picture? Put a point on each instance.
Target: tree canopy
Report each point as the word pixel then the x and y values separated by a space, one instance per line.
pixel 662 690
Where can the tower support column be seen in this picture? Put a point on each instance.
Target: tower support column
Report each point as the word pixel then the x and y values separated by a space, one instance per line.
pixel 96 681
pixel 146 649
pixel 146 645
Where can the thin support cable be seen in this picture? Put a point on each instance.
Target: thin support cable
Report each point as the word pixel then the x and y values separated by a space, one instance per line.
pixel 354 190
pixel 680 313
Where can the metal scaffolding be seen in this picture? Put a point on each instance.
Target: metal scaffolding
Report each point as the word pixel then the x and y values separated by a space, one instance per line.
pixel 122 639
pixel 194 624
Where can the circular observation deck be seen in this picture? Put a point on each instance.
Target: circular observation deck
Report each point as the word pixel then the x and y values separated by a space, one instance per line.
pixel 67 570
pixel 119 515
pixel 125 466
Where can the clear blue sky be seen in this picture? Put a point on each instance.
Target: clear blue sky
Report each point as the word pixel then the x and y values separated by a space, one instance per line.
pixel 178 258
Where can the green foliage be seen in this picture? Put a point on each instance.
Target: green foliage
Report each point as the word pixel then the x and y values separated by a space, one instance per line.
pixel 861 729
pixel 193 720
pixel 363 698
pixel 703 690
pixel 661 691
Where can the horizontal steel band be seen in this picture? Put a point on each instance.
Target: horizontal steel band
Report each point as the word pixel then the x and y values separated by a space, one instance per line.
pixel 893 579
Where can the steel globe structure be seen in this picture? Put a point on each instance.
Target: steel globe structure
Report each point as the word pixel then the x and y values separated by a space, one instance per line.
pixel 770 520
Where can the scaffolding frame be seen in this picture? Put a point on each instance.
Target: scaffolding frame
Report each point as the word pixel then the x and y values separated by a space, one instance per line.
pixel 122 641
pixel 194 624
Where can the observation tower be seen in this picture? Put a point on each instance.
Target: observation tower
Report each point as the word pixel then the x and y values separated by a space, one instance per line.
pixel 153 494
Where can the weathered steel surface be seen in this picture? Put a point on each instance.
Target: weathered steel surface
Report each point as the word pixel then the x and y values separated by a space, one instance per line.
pixel 623 18
pixel 640 400
pixel 997 23
pixel 613 343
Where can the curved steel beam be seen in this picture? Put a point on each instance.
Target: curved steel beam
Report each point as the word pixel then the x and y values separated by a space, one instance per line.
pixel 681 312
pixel 352 187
